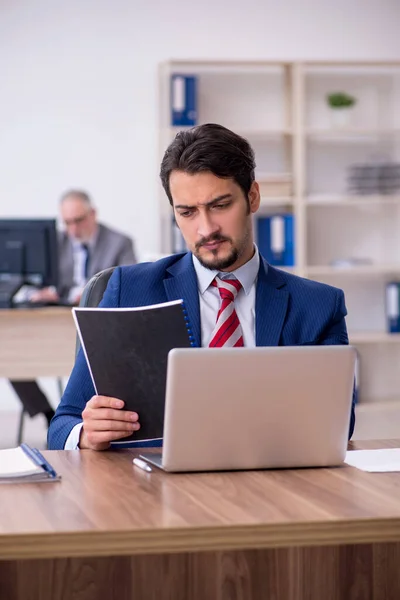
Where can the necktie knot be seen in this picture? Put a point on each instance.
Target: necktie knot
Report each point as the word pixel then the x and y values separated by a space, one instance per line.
pixel 228 288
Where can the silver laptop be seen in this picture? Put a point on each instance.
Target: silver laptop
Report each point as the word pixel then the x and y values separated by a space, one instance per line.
pixel 256 408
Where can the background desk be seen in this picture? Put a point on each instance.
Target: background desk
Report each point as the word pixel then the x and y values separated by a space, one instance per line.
pixel 36 343
pixel 111 531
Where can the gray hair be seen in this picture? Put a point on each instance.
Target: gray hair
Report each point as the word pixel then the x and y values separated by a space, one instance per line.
pixel 77 194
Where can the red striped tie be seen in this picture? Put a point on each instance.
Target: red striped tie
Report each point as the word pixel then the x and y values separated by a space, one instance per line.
pixel 227 331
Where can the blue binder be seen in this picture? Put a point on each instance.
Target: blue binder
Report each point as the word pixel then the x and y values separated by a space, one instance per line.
pixel 275 239
pixel 393 307
pixel 183 100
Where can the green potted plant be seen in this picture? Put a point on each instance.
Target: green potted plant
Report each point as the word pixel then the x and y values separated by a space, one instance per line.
pixel 341 105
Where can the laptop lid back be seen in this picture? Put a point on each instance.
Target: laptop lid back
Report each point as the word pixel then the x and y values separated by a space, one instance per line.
pixel 265 407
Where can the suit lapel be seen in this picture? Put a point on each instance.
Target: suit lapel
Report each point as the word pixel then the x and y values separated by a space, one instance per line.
pixel 271 305
pixel 271 299
pixel 183 285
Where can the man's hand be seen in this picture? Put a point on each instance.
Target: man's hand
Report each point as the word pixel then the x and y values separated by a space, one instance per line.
pixel 104 421
pixel 48 294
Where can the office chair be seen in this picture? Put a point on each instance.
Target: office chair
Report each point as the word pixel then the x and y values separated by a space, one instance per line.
pixel 93 293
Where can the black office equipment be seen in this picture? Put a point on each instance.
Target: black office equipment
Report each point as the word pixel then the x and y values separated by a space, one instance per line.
pixel 28 255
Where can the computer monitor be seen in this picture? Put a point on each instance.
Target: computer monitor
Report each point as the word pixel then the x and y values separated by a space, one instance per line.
pixel 28 255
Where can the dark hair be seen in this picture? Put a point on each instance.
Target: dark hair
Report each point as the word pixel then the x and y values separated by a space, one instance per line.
pixel 212 148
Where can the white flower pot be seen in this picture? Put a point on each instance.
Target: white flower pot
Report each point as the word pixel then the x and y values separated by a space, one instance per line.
pixel 341 117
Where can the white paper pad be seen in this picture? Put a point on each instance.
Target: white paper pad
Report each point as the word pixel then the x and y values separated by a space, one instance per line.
pixel 15 463
pixel 374 461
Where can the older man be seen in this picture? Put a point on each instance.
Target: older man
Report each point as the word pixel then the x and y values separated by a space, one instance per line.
pixel 85 248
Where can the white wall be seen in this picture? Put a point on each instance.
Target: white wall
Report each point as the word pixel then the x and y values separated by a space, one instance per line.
pixel 78 91
pixel 78 86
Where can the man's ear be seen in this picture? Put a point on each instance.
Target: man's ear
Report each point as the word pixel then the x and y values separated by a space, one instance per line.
pixel 254 197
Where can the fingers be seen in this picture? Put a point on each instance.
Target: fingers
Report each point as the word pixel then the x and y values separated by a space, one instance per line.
pixel 110 425
pixel 99 440
pixel 105 402
pixel 109 414
pixel 104 422
pixel 103 407
pixel 100 437
pixel 46 294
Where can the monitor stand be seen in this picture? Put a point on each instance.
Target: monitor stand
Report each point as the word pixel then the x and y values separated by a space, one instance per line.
pixel 9 286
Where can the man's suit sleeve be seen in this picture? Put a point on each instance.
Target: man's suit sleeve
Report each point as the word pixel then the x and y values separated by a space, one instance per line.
pixel 80 388
pixel 336 333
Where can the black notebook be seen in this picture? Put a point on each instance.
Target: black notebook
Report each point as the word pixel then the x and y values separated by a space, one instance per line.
pixel 126 351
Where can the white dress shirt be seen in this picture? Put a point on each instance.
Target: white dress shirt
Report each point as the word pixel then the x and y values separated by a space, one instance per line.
pixel 210 301
pixel 80 256
pixel 245 300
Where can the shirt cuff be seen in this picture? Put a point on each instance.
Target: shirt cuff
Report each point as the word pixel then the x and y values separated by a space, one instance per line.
pixel 72 442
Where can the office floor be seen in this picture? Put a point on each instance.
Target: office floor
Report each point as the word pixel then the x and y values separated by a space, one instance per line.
pixel 34 432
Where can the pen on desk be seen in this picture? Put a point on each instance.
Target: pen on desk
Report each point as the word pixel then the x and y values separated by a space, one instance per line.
pixel 142 465
pixel 39 460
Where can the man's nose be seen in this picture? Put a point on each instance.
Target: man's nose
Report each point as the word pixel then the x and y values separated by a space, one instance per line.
pixel 207 226
pixel 72 228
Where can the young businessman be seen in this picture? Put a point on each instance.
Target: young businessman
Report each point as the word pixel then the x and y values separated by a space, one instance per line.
pixel 232 295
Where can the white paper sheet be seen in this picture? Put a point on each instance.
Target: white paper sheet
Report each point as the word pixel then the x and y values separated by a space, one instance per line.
pixel 374 461
pixel 15 463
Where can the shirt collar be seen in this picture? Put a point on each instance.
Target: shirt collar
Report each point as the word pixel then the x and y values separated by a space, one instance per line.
pixel 77 245
pixel 246 274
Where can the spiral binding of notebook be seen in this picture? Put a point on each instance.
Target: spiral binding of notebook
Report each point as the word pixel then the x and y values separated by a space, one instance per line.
pixel 188 326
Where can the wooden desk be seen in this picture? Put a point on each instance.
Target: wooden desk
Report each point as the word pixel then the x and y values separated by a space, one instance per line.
pixel 112 531
pixel 36 343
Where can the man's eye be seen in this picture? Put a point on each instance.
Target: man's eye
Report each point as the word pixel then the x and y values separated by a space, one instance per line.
pixel 186 213
pixel 221 206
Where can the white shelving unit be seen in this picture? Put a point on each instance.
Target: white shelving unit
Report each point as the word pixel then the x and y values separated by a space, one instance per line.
pixel 281 108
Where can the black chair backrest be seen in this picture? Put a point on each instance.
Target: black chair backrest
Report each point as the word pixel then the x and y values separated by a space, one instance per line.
pixel 93 293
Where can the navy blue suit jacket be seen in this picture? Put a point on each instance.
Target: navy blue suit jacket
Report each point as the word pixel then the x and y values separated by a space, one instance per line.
pixel 289 311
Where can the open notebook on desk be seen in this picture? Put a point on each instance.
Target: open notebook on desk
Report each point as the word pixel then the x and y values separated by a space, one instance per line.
pixel 25 464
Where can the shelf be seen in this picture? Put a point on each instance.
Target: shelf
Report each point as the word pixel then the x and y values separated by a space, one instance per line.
pixel 267 202
pixel 256 134
pixel 377 418
pixel 284 115
pixel 227 64
pixel 324 67
pixel 373 405
pixel 322 271
pixel 351 201
pixel 373 337
pixel 354 134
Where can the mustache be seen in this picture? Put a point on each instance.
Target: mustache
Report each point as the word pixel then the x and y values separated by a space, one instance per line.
pixel 216 237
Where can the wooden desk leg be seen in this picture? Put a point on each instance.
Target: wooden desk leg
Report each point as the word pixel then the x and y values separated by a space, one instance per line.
pixel 362 572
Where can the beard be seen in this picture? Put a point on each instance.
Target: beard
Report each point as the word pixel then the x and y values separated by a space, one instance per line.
pixel 219 264
pixel 215 262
